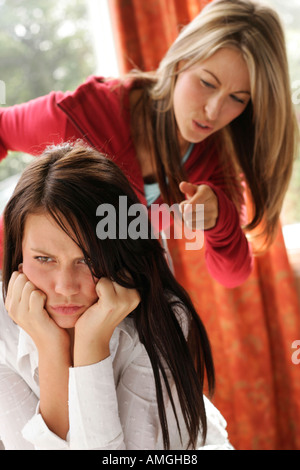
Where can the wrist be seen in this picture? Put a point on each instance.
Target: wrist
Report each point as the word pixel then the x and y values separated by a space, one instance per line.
pixel 56 349
pixel 89 352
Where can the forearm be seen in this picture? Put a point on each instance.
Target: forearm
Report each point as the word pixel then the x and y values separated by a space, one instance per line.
pixel 88 352
pixel 228 253
pixel 54 367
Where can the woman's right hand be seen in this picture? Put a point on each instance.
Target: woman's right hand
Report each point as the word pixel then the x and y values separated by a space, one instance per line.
pixel 93 330
pixel 25 305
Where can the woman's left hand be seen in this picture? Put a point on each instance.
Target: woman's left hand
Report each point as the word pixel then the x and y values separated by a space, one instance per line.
pixel 95 327
pixel 193 216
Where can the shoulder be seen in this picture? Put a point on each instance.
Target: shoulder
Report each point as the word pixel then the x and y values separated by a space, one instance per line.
pixel 97 91
pixel 100 108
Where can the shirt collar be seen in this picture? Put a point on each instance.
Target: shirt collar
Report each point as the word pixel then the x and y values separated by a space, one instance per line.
pixel 26 347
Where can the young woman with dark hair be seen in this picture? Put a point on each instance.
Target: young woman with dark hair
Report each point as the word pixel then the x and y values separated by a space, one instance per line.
pixel 101 348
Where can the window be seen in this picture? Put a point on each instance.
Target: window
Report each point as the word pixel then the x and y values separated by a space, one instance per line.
pixel 47 46
pixel 289 13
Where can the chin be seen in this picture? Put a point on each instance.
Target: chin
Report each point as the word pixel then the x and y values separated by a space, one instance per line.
pixel 65 322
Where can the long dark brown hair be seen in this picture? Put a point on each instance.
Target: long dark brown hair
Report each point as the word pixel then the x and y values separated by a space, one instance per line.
pixel 69 182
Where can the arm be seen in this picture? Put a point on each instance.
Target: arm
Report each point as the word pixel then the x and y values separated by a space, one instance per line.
pixel 25 305
pixel 54 363
pixel 227 250
pixel 125 414
pixel 17 406
pixel 32 126
pixel 228 253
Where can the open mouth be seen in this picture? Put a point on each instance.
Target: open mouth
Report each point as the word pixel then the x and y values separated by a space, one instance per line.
pixel 203 127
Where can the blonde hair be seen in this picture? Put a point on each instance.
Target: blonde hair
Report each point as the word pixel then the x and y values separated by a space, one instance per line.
pixel 261 142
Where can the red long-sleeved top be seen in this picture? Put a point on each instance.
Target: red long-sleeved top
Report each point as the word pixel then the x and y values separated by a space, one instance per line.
pixel 99 113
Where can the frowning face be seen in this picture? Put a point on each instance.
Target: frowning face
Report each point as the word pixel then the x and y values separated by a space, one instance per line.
pixel 56 265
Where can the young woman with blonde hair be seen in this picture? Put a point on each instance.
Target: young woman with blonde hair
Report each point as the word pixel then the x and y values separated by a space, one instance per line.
pixel 215 115
pixel 260 142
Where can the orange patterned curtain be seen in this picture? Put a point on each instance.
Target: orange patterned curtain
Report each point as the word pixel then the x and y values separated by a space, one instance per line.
pixel 252 327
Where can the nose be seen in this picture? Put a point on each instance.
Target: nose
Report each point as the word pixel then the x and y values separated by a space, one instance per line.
pixel 213 107
pixel 66 283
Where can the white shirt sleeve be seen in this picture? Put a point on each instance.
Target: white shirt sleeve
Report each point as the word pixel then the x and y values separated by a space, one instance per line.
pixel 93 408
pixel 96 410
pixel 17 406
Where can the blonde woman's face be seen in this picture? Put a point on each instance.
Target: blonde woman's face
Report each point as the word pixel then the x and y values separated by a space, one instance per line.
pixel 210 94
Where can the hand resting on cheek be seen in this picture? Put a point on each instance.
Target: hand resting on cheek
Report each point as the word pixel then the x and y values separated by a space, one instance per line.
pixel 25 304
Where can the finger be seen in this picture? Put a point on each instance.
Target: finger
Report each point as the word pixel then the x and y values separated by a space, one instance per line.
pixel 111 293
pixel 105 288
pixel 26 293
pixel 10 287
pixel 16 291
pixel 37 300
pixel 188 189
pixel 19 311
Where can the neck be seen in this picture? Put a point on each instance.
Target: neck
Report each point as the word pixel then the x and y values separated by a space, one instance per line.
pixel 183 145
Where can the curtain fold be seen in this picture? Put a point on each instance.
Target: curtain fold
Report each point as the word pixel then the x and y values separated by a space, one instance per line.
pixel 251 327
pixel 144 30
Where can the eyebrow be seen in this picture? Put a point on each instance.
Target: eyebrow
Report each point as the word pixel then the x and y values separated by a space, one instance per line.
pixel 37 250
pixel 44 253
pixel 218 81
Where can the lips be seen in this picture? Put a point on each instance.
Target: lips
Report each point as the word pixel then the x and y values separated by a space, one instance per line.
pixel 203 126
pixel 68 309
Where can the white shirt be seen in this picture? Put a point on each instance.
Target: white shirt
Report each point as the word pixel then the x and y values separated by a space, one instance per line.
pixel 112 404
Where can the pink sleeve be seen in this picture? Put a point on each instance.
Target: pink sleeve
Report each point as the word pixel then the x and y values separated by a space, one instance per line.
pixel 31 126
pixel 227 251
pixel 1 240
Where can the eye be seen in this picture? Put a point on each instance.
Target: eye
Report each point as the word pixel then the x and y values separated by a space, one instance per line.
pixel 207 84
pixel 84 261
pixel 238 100
pixel 43 259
